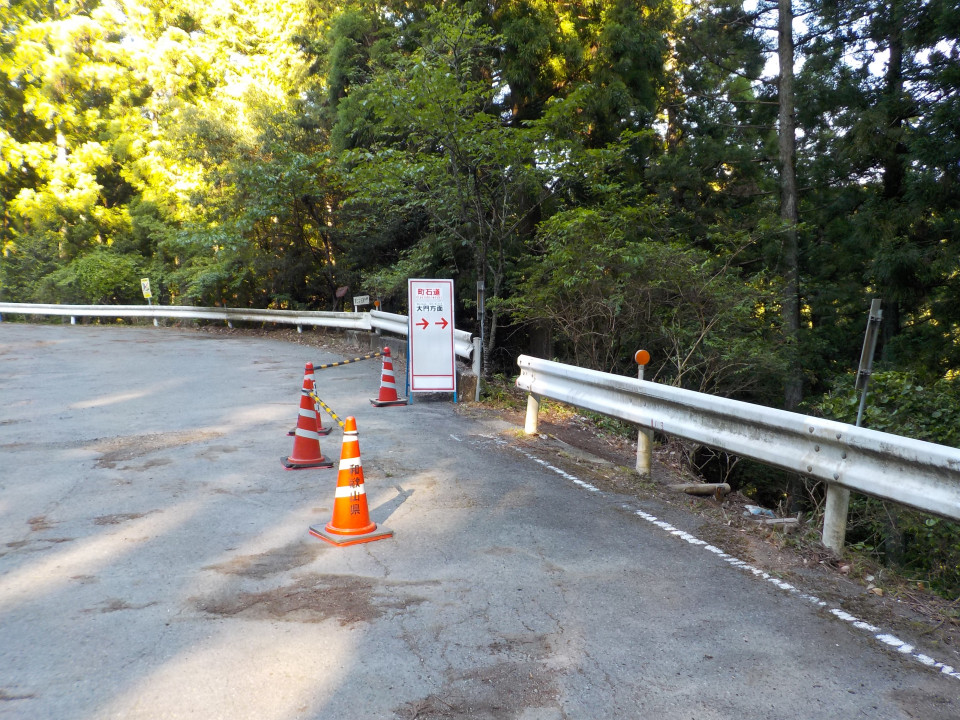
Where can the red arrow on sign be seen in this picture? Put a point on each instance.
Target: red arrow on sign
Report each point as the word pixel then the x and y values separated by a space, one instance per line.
pixel 423 323
pixel 443 323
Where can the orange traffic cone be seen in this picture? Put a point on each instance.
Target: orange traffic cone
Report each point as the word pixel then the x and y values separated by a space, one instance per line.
pixel 306 440
pixel 321 430
pixel 388 384
pixel 351 522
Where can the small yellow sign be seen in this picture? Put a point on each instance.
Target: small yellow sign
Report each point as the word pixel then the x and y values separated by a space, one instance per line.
pixel 145 286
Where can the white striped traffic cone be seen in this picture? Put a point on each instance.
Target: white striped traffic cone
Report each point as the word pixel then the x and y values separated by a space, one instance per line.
pixel 388 384
pixel 308 373
pixel 351 523
pixel 306 440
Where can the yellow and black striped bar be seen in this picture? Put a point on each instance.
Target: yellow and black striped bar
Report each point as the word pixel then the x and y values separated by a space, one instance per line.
pixel 331 413
pixel 346 362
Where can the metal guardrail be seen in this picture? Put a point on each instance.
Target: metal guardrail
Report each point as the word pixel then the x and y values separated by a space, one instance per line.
pixel 376 320
pixel 919 474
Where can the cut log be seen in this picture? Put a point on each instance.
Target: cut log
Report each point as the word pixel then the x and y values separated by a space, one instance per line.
pixel 717 489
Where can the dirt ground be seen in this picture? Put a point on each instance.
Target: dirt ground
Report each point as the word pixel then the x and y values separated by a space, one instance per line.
pixel 575 443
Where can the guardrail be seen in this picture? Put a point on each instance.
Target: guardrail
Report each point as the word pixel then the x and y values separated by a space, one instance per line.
pixel 911 472
pixel 376 320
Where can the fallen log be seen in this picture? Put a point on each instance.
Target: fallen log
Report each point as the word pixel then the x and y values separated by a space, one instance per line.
pixel 717 489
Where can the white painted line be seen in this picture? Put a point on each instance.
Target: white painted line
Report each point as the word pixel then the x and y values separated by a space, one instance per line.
pixel 875 632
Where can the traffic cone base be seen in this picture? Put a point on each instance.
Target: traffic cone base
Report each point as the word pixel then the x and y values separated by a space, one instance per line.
pixel 291 464
pixel 385 403
pixel 342 540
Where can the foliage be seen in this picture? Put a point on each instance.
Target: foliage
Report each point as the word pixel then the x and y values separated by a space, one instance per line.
pixel 616 281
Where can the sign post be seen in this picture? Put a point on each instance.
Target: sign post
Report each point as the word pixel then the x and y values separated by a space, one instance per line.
pixel 431 361
pixel 360 301
pixel 145 287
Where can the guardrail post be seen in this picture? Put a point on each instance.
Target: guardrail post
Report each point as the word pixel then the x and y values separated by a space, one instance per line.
pixel 533 410
pixel 477 352
pixel 838 498
pixel 835 517
pixel 73 320
pixel 644 453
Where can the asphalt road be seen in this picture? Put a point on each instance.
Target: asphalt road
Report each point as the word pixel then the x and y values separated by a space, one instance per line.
pixel 155 563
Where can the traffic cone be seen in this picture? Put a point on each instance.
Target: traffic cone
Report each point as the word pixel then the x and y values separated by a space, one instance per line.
pixel 306 440
pixel 321 430
pixel 388 384
pixel 351 522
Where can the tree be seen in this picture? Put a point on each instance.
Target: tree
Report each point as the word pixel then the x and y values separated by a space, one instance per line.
pixel 613 279
pixel 882 82
pixel 789 198
pixel 65 191
pixel 443 158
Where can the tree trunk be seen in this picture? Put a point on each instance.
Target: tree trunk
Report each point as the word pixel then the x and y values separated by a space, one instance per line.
pixel 894 167
pixel 789 216
pixel 789 213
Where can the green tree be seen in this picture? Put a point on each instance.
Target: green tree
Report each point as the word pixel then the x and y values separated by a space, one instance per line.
pixel 443 159
pixel 65 192
pixel 881 80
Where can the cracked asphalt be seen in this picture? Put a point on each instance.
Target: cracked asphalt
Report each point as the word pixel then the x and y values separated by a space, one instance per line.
pixel 155 562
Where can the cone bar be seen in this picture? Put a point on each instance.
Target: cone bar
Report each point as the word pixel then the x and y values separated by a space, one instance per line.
pixel 351 524
pixel 388 384
pixel 306 441
pixel 321 430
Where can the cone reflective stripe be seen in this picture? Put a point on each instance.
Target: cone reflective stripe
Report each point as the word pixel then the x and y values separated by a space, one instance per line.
pixel 388 384
pixel 306 440
pixel 351 522
pixel 308 374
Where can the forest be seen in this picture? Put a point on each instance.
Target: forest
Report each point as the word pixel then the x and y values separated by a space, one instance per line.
pixel 725 184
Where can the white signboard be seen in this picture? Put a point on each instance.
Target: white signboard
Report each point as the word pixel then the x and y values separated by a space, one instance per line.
pixel 359 300
pixel 432 356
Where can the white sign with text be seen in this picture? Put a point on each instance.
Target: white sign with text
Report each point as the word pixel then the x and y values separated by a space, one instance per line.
pixel 432 355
